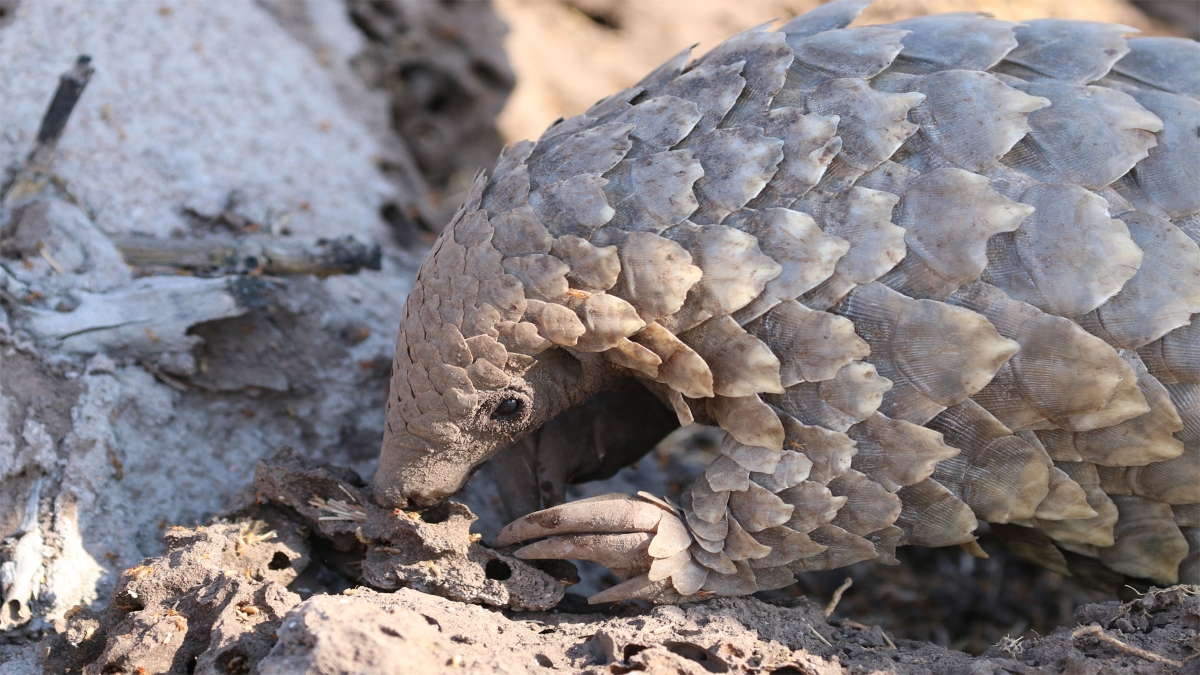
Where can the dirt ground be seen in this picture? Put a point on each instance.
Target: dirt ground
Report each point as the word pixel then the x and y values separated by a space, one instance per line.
pixel 275 586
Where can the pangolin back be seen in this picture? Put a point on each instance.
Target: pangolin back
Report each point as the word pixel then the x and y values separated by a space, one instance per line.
pixel 922 275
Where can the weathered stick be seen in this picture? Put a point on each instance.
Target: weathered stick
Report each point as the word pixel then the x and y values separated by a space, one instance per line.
pixel 251 255
pixel 1099 634
pixel 35 173
pixel 70 89
pixel 837 597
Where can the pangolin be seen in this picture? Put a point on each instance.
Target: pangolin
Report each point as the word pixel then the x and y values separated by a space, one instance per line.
pixel 921 275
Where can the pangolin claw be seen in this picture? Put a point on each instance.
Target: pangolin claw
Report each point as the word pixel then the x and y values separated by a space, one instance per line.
pixel 640 538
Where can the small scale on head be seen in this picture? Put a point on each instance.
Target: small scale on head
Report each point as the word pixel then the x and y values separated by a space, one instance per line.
pixel 497 337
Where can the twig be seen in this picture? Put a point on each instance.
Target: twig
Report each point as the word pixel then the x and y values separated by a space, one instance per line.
pixel 340 509
pixel 837 596
pixel 251 255
pixel 171 382
pixel 819 636
pixel 70 88
pixel 41 249
pixel 860 626
pixel 343 489
pixel 35 173
pixel 1128 649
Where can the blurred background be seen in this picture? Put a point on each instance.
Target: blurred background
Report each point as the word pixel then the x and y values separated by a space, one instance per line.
pixel 465 76
pixel 568 53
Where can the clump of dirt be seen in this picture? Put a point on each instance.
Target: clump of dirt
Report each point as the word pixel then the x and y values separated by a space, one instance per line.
pixel 431 551
pixel 214 603
pixel 293 578
pixel 211 605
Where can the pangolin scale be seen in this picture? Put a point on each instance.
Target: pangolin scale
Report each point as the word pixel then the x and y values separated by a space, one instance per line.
pixel 922 275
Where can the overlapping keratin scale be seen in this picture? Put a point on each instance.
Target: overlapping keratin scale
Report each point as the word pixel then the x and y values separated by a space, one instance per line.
pixel 1175 357
pixel 1095 531
pixel 814 346
pixel 948 216
pixel 1062 376
pixel 1000 476
pixel 1167 176
pixel 936 355
pixel 1074 51
pixel 1162 63
pixel 969 119
pixel 1164 293
pixel 896 453
pixel 851 396
pixel 841 53
pixel 1148 543
pixel 961 41
pixel 868 259
pixel 862 217
pixel 1136 441
pixel 806 255
pixel 1089 136
pixel 1068 257
pixel 1186 397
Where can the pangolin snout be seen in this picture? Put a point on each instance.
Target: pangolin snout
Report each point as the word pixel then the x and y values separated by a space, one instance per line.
pixel 421 478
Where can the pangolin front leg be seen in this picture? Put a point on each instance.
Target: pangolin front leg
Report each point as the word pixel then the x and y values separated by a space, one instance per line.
pixel 733 533
pixel 640 538
pixel 922 275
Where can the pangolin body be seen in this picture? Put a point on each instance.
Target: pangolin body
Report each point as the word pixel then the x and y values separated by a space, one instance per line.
pixel 922 275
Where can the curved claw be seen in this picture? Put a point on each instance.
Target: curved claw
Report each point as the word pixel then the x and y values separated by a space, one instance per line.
pixel 615 513
pixel 638 588
pixel 610 550
pixel 641 539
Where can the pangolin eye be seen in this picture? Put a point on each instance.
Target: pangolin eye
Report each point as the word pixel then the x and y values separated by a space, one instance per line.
pixel 507 408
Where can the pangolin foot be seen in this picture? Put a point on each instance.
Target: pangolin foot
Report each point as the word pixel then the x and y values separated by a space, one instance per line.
pixel 642 539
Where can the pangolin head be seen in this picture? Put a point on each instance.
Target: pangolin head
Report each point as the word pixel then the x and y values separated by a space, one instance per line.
pixel 504 328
